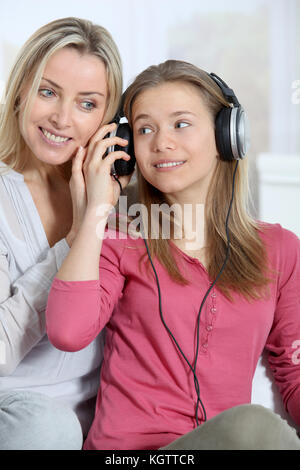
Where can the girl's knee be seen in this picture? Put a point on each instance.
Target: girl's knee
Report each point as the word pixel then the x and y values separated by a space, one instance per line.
pixel 256 427
pixel 244 427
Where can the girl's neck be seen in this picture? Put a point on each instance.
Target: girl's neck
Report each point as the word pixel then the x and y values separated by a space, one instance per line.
pixel 189 217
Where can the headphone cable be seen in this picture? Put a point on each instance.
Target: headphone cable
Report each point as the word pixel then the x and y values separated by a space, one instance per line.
pixel 193 369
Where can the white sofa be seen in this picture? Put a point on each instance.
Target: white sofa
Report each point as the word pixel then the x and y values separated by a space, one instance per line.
pixel 279 195
pixel 265 391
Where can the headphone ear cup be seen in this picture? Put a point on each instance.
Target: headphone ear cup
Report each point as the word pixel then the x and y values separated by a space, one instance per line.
pixel 124 167
pixel 223 137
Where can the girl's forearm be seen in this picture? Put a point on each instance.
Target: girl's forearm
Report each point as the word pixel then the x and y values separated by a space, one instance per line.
pixel 82 262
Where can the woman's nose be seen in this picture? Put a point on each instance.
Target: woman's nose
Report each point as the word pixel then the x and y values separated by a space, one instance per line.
pixel 61 116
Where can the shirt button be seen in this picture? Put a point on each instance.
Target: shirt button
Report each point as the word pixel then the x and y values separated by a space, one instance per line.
pixel 213 310
pixel 209 328
pixel 214 295
pixel 205 345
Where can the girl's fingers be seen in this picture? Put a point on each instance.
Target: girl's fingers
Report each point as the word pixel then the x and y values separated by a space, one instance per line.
pixel 96 155
pixel 100 135
pixel 112 157
pixel 78 159
pixel 102 132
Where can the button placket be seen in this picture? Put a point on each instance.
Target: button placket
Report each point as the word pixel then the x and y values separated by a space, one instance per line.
pixel 212 311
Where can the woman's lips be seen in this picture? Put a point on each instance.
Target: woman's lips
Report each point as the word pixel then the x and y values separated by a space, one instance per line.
pixel 53 139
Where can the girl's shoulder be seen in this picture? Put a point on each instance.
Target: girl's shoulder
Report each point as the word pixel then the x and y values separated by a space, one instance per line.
pixel 277 236
pixel 120 235
pixel 282 245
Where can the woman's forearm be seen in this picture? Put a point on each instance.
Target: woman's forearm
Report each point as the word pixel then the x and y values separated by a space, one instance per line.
pixel 82 262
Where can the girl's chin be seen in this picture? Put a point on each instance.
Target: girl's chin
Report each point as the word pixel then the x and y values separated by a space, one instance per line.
pixel 169 189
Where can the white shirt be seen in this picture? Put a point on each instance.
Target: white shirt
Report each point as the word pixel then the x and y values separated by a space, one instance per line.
pixel 27 267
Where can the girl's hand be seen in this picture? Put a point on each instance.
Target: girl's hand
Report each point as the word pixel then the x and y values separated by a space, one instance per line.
pixel 101 187
pixel 91 183
pixel 78 193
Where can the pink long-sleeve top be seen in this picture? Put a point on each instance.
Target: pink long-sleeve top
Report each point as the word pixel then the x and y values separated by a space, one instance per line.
pixel 147 395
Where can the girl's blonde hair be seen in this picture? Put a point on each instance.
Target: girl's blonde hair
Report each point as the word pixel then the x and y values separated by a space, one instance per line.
pixel 86 38
pixel 245 271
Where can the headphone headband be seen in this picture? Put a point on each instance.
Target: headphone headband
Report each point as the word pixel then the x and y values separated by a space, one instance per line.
pixel 232 130
pixel 227 92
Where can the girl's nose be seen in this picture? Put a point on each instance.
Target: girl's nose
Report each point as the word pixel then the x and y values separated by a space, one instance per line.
pixel 164 140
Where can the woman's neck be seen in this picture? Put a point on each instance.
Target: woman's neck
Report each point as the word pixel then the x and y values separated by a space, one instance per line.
pixel 39 172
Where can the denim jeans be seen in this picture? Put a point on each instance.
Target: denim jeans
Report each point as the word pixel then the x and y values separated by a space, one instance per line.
pixel 32 421
pixel 245 427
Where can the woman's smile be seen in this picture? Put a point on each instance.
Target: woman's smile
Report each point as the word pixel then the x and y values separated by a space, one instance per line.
pixel 53 138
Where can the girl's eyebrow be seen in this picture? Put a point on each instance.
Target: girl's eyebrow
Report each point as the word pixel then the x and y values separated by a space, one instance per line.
pixel 141 116
pixel 80 93
pixel 176 113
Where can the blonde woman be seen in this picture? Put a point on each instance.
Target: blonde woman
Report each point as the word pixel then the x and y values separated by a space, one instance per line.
pixel 63 92
pixel 186 317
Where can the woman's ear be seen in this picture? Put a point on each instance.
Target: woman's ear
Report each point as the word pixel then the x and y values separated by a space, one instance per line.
pixel 17 104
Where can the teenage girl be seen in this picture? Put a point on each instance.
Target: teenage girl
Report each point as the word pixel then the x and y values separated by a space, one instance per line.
pixel 186 318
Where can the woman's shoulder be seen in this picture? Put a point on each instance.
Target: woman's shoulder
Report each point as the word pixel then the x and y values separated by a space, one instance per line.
pixel 10 190
pixel 6 172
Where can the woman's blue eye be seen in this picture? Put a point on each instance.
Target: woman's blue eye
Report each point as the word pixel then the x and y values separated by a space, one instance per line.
pixel 46 92
pixel 88 105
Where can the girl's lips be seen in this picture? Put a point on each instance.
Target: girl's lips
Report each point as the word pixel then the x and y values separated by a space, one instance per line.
pixel 168 165
pixel 52 142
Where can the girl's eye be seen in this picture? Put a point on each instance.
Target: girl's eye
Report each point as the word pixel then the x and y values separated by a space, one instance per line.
pixel 144 130
pixel 88 105
pixel 180 125
pixel 46 92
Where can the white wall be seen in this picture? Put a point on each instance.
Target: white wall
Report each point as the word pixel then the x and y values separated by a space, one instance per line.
pixel 279 183
pixel 139 27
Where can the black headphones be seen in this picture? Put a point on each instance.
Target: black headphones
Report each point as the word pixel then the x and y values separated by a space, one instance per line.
pixel 122 167
pixel 232 132
pixel 232 129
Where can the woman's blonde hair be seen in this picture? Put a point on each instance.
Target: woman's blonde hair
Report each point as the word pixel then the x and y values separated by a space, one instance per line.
pixel 86 38
pixel 245 271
